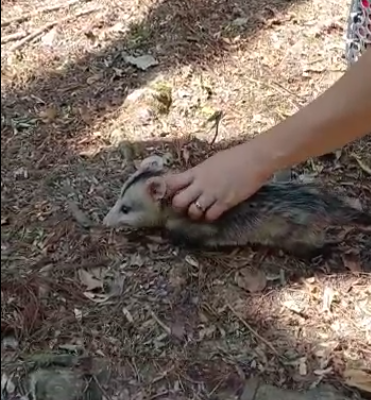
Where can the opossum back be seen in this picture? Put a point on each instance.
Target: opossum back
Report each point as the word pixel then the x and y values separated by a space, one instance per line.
pixel 291 216
pixel 296 203
pixel 270 214
pixel 281 204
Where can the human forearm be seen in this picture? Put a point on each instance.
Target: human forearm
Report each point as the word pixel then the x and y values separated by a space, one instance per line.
pixel 340 115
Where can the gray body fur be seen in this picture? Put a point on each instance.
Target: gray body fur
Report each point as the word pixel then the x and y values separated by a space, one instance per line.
pixel 288 215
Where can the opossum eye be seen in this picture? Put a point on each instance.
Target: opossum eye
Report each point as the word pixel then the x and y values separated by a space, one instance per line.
pixel 125 209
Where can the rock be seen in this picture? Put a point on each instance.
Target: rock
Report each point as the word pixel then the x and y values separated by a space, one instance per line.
pixel 141 62
pixel 49 39
pixel 240 21
pixel 56 377
pixel 148 104
pixel 58 384
pixel 255 390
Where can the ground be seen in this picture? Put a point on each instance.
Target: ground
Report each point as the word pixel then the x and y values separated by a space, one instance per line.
pixel 173 322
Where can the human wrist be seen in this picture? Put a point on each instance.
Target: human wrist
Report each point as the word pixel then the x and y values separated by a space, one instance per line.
pixel 314 130
pixel 337 117
pixel 283 145
pixel 262 156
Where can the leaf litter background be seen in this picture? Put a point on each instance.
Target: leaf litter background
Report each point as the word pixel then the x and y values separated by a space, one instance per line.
pixel 92 93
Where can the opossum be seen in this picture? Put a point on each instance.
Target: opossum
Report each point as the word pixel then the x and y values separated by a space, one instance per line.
pixel 291 216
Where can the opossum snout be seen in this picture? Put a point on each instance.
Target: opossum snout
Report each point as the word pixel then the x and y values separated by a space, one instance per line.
pixel 110 220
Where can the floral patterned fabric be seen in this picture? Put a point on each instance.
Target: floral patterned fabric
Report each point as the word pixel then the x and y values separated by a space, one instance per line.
pixel 359 29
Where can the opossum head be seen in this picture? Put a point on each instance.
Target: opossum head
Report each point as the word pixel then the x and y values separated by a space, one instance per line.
pixel 140 204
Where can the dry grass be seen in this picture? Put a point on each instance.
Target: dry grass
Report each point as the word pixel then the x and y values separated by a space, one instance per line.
pixel 174 323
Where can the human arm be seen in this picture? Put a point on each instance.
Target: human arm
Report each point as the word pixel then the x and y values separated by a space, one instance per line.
pixel 340 115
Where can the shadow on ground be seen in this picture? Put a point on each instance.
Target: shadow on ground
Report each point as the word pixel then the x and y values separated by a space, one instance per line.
pixel 91 87
pixel 150 307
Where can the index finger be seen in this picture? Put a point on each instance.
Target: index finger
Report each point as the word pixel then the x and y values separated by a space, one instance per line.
pixel 176 182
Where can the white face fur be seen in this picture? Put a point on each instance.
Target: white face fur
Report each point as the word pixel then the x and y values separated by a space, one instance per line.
pixel 139 203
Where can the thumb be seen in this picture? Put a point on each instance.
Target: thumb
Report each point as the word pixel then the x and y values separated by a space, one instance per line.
pixel 176 182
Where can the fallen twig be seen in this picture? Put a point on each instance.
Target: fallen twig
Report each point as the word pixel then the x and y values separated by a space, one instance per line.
pixel 87 265
pixel 37 12
pixel 163 326
pixel 47 27
pixel 284 91
pixel 217 117
pixel 362 165
pixel 253 331
pixel 100 387
pixel 33 35
pixel 279 88
pixel 13 36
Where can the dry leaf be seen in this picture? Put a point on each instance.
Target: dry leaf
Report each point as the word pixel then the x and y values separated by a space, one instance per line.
pixel 192 261
pixel 71 348
pixel 48 115
pixel 7 384
pixel 78 314
pixel 49 38
pixel 303 370
pixel 323 372
pixel 89 280
pixel 44 287
pixel 207 333
pixel 328 297
pixel 177 278
pixel 97 272
pixel 186 155
pixel 250 280
pixel 352 264
pixel 142 62
pixel 79 216
pixel 178 330
pixel 128 315
pixel 10 342
pixel 292 306
pixel 359 379
pixel 116 287
pixel 354 203
pixel 362 165
pixel 97 298
pixel 93 79
pixel 4 221
pixel 136 260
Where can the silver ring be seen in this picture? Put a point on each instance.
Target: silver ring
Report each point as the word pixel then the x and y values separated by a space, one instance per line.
pixel 199 206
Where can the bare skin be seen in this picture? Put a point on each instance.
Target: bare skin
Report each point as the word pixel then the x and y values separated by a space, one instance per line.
pixel 340 115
